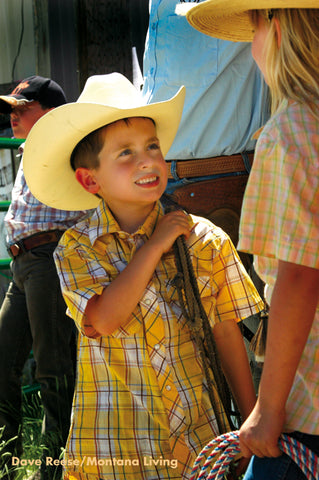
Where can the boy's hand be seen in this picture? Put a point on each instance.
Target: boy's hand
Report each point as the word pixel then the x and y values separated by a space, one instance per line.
pixel 171 226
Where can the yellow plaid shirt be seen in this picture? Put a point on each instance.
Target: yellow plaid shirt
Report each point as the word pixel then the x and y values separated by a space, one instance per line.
pixel 141 408
pixel 280 221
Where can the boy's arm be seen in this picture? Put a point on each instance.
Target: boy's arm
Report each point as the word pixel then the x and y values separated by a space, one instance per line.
pixel 112 309
pixel 292 311
pixel 235 364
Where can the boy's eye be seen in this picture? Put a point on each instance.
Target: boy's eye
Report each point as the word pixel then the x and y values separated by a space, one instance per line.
pixel 127 151
pixel 154 146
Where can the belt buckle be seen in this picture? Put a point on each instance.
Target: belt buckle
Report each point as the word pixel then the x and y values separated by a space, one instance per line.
pixel 15 250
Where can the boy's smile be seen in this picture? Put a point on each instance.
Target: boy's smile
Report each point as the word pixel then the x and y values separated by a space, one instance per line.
pixel 148 182
pixel 132 174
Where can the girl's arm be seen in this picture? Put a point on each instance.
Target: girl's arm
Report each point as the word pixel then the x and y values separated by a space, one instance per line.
pixel 235 364
pixel 112 309
pixel 292 310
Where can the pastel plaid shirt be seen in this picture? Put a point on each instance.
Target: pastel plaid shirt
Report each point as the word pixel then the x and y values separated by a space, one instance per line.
pixel 141 408
pixel 27 216
pixel 280 221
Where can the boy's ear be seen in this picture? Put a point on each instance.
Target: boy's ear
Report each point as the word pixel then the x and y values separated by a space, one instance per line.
pixel 278 31
pixel 86 178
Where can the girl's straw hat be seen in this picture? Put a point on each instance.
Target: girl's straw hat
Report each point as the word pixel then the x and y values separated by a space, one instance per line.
pixel 230 19
pixel 105 99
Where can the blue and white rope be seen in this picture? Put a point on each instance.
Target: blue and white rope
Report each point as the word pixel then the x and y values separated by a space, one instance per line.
pixel 226 448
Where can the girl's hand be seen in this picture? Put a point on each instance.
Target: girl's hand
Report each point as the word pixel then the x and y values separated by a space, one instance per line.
pixel 171 226
pixel 259 434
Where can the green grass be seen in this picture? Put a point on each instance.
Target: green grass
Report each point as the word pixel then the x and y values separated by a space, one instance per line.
pixel 33 449
pixel 32 413
pixel 4 455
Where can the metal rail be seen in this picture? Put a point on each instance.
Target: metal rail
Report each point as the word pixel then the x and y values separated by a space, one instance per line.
pixel 12 144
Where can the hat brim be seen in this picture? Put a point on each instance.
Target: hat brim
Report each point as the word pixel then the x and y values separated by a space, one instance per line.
pixel 230 19
pixel 49 145
pixel 7 102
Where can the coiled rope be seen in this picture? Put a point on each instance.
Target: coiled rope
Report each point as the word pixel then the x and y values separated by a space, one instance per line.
pixel 226 448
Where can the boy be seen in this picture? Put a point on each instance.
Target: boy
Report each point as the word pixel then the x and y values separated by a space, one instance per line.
pixel 141 408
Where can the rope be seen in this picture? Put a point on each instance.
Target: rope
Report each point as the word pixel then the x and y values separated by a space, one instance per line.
pixel 306 459
pixel 189 298
pixel 193 311
pixel 226 448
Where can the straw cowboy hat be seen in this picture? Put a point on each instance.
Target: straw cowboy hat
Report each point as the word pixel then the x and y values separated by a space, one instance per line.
pixel 230 19
pixel 105 99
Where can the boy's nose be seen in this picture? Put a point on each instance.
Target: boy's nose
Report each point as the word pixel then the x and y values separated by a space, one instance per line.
pixel 144 160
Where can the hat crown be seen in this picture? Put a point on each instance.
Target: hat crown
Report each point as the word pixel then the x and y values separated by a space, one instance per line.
pixel 113 90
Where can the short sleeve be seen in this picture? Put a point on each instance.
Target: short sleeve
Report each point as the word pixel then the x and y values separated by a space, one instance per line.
pixel 81 275
pixel 280 215
pixel 227 292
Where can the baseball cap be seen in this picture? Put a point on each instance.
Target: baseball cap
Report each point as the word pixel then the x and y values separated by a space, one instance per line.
pixel 35 88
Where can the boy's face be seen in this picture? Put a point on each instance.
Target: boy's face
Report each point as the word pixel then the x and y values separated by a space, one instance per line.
pixel 132 169
pixel 23 118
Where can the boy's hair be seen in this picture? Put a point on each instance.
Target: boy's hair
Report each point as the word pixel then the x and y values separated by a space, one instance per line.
pixel 86 152
pixel 293 69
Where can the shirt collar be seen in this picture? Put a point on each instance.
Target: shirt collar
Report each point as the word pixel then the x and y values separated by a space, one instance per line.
pixel 103 223
pixel 20 150
pixel 256 135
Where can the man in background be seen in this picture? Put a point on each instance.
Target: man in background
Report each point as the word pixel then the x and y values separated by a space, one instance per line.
pixel 226 102
pixel 32 315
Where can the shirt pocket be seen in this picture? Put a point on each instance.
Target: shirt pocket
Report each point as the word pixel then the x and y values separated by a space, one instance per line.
pixel 206 296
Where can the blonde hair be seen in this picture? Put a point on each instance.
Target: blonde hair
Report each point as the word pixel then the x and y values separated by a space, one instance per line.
pixel 293 69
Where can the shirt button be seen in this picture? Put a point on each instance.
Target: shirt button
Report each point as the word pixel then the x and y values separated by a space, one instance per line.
pixel 168 388
pixel 148 301
pixel 157 346
pixel 154 25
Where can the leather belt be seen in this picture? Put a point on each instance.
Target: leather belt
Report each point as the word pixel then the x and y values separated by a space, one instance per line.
pixel 199 167
pixel 26 244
